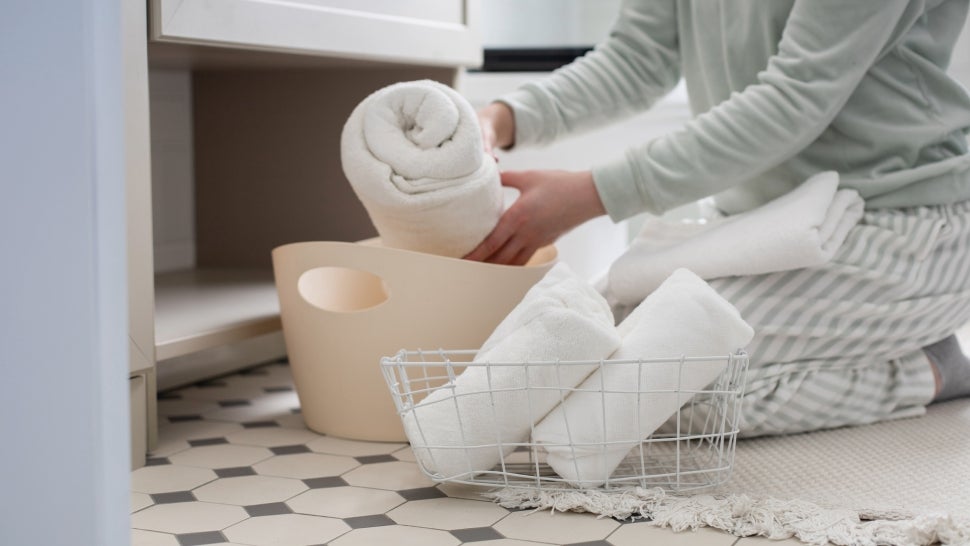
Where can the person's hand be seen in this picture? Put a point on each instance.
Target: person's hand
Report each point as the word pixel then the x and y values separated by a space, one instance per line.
pixel 550 204
pixel 498 127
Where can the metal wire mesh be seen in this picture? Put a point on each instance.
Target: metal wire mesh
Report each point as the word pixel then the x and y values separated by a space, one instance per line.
pixel 693 449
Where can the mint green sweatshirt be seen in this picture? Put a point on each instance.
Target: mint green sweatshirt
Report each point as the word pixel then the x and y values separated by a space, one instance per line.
pixel 780 90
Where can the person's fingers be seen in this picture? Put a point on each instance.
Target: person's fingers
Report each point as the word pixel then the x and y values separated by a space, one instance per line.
pixel 523 256
pixel 507 253
pixel 495 240
pixel 515 179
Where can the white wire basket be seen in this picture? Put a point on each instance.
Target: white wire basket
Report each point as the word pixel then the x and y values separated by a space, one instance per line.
pixel 458 441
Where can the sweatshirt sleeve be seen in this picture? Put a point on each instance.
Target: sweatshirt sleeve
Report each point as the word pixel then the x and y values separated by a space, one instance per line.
pixel 636 65
pixel 826 49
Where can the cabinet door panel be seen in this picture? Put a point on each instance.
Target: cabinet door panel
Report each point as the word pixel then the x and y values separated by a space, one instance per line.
pixel 426 32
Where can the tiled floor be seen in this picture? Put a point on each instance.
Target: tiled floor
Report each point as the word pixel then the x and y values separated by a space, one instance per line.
pixel 236 465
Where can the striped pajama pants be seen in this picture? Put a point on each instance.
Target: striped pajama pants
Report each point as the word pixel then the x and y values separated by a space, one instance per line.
pixel 840 344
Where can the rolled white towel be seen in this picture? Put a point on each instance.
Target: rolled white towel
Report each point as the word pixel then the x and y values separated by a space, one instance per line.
pixel 591 432
pixel 459 427
pixel 413 154
pixel 803 228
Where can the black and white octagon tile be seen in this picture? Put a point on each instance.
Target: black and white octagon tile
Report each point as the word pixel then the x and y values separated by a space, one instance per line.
pixel 235 465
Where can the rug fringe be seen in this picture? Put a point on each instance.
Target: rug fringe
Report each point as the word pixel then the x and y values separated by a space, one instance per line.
pixel 744 516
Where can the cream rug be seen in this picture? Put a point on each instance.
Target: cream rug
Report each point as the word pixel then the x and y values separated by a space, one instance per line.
pixel 904 483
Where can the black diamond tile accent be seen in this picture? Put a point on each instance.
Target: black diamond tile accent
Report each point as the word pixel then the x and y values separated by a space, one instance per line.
pixel 371 459
pixel 281 388
pixel 422 493
pixel 268 509
pixel 327 481
pixel 169 396
pixel 521 449
pixel 211 384
pixel 376 520
pixel 197 539
pixel 295 410
pixel 289 450
pixel 477 534
pixel 254 371
pixel 233 403
pixel 260 424
pixel 169 498
pixel 183 418
pixel 235 471
pixel 207 442
pixel 157 461
pixel 282 362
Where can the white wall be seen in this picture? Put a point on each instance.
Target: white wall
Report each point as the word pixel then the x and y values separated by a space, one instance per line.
pixel 63 412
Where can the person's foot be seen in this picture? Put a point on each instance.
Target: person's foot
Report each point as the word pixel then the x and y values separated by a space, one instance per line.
pixel 951 369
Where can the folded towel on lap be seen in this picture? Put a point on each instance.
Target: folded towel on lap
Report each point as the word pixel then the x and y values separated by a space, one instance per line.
pixel 591 432
pixel 803 228
pixel 413 154
pixel 560 318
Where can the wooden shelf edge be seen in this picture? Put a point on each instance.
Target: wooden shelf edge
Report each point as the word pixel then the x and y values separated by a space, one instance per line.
pixel 201 341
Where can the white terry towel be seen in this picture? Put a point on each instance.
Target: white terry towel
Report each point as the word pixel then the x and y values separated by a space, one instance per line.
pixel 590 433
pixel 413 154
pixel 560 318
pixel 803 228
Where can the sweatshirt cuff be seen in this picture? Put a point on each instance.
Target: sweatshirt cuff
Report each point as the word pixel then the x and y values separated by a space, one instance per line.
pixel 527 112
pixel 618 190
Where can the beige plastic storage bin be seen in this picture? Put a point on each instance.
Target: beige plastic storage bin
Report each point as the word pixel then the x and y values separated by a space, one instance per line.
pixel 345 305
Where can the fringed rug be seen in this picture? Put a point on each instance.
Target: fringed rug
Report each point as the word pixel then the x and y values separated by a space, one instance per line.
pixel 899 483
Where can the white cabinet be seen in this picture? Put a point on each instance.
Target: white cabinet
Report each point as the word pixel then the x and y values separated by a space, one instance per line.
pixel 426 32
pixel 270 84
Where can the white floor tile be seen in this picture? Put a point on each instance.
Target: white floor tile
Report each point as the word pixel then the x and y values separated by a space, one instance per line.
pixel 250 490
pixel 271 437
pixel 447 513
pixel 395 476
pixel 168 478
pixel 637 534
pixel 305 465
pixel 151 538
pixel 405 454
pixel 345 502
pixel 396 535
pixel 187 517
pixel 353 448
pixel 555 527
pixel 221 456
pixel 139 501
pixel 508 542
pixel 462 491
pixel 286 530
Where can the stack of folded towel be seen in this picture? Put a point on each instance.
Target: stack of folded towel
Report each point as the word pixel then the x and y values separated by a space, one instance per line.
pixel 469 425
pixel 803 228
pixel 413 154
pixel 623 403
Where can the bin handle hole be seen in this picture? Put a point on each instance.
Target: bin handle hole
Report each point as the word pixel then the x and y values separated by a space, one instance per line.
pixel 342 289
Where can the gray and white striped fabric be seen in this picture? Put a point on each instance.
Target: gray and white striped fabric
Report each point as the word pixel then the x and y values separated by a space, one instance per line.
pixel 841 344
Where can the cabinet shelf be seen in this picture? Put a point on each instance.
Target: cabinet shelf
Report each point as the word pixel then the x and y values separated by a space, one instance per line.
pixel 199 309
